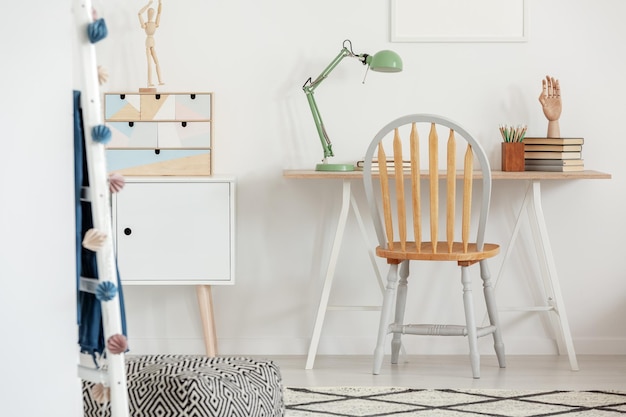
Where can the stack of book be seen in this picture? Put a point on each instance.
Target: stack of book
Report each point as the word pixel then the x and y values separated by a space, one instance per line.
pixel 406 165
pixel 553 154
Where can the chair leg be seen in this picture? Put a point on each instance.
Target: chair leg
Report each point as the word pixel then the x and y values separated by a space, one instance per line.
pixel 470 321
pixel 492 312
pixel 396 342
pixel 385 317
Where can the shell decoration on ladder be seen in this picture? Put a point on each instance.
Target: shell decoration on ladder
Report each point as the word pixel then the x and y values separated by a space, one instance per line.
pixel 116 182
pixel 101 134
pixel 106 291
pixel 100 393
pixel 94 240
pixel 117 344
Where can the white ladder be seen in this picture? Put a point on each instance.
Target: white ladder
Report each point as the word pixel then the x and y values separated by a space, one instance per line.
pixel 99 195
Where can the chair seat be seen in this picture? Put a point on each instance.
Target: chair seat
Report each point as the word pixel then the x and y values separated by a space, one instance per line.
pixel 442 253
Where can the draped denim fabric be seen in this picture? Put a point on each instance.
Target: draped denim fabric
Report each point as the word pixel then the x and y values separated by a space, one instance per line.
pixel 89 313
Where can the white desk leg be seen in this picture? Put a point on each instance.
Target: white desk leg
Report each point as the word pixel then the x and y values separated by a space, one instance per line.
pixel 549 276
pixel 549 273
pixel 330 273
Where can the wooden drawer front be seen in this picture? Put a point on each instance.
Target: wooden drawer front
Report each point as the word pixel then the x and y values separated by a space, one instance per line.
pixel 133 135
pixel 121 107
pixel 191 107
pixel 157 107
pixel 184 135
pixel 162 162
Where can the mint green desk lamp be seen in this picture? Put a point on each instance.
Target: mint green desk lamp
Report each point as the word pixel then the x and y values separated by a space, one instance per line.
pixel 383 61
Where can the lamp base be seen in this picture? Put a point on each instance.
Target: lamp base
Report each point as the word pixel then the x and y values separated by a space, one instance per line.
pixel 334 167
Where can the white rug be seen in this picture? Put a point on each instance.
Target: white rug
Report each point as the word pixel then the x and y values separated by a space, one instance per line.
pixel 379 401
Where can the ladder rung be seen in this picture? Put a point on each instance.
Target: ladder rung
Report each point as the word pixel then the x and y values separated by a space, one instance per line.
pixel 353 308
pixel 88 285
pixel 85 194
pixel 528 309
pixel 97 376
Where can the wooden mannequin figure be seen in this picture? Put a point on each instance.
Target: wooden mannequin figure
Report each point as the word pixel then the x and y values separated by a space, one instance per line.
pixel 150 27
pixel 550 99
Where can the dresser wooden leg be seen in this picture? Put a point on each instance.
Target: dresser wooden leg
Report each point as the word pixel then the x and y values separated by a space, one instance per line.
pixel 205 302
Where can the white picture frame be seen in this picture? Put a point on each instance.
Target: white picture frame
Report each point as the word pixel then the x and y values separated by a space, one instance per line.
pixel 459 20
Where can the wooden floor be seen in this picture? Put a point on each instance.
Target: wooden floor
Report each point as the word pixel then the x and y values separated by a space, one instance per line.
pixel 596 372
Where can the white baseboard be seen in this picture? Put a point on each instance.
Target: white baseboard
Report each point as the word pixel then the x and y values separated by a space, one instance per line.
pixel 604 346
pixel 364 346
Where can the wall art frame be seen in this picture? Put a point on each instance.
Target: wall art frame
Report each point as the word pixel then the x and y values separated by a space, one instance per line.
pixel 459 20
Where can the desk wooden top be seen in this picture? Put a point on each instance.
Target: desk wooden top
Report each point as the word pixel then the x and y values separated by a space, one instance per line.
pixel 495 175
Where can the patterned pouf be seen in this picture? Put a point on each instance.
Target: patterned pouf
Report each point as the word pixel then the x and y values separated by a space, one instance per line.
pixel 196 386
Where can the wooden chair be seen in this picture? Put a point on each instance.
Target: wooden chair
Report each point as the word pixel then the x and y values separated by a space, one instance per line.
pixel 403 219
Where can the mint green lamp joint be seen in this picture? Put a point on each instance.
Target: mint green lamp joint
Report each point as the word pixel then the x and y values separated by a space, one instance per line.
pixel 383 61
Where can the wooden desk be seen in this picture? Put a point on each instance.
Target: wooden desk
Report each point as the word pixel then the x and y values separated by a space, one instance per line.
pixel 531 204
pixel 495 175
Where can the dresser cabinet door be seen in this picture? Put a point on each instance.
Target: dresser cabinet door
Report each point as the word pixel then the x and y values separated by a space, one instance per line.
pixel 174 231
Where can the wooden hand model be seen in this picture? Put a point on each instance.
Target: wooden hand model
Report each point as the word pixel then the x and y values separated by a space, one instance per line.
pixel 150 27
pixel 550 99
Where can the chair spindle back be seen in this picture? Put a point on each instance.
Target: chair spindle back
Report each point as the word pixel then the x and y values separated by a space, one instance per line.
pixel 392 168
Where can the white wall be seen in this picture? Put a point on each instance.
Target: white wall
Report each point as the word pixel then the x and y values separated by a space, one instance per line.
pixel 37 269
pixel 256 61
pixel 256 55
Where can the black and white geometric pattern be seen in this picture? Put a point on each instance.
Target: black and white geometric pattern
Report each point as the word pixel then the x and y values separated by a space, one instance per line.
pixel 197 386
pixel 378 401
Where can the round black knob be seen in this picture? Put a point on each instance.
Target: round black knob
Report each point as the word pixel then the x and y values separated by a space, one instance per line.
pixel 128 231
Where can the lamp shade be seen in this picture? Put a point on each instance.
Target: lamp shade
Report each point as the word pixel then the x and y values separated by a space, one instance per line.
pixel 385 61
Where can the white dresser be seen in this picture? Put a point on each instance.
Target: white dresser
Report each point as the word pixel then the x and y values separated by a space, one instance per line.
pixel 173 222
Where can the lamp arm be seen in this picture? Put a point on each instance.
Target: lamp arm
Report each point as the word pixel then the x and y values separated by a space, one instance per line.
pixel 309 87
